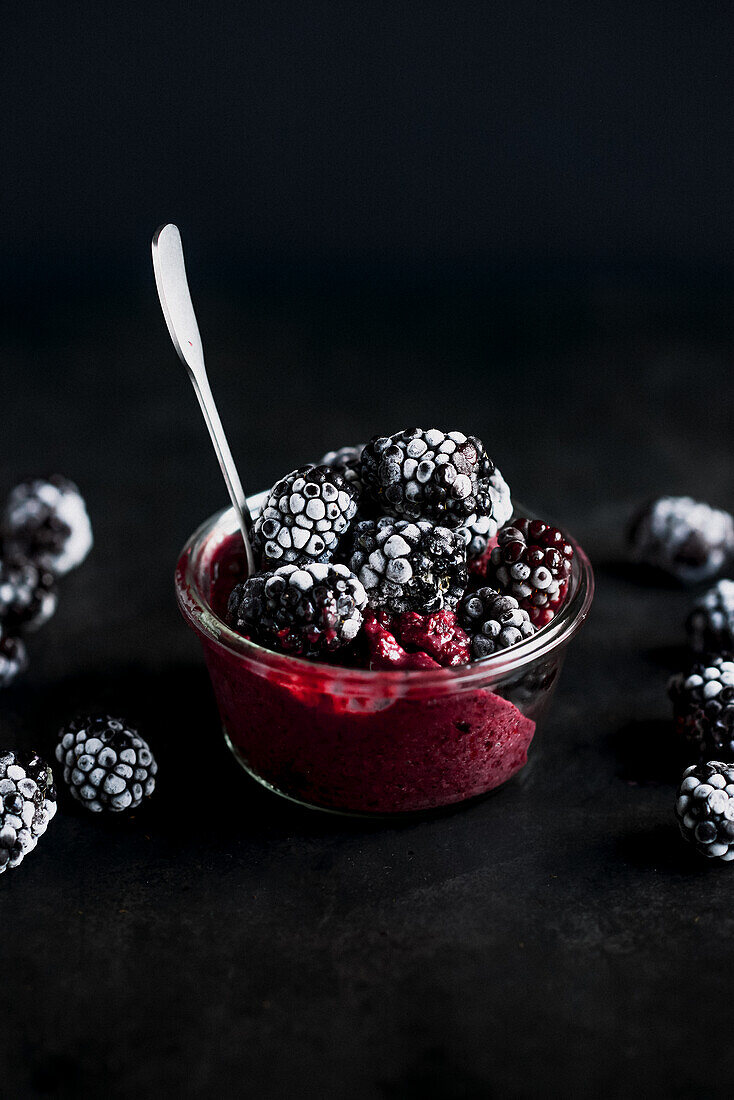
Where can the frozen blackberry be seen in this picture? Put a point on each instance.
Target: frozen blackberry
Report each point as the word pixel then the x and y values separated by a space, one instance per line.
pixel 47 522
pixel 710 727
pixel 27 595
pixel 305 516
pixel 493 621
pixel 347 461
pixel 308 610
pixel 491 517
pixel 107 765
pixel 532 562
pixel 408 566
pixel 703 682
pixel 27 804
pixel 703 706
pixel 13 658
pixel 710 625
pixel 435 475
pixel 684 538
pixel 705 809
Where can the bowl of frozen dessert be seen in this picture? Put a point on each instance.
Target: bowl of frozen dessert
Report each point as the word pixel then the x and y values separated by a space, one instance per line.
pixel 399 643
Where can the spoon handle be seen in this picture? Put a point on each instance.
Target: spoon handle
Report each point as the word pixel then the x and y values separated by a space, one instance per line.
pixel 178 311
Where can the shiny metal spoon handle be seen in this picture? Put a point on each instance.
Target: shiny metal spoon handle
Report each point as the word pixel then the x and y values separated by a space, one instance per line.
pixel 178 310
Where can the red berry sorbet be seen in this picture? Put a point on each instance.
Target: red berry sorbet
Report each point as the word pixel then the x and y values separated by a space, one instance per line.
pixel 314 734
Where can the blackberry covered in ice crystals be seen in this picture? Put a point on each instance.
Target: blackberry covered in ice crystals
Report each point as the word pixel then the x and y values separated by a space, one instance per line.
pixel 493 621
pixel 305 516
pixel 705 681
pixel 27 805
pixel 27 595
pixel 710 625
pixel 107 765
pixel 703 705
pixel 47 522
pixel 532 562
pixel 408 566
pixel 435 475
pixel 705 809
pixel 347 461
pixel 685 538
pixel 495 508
pixel 309 609
pixel 13 658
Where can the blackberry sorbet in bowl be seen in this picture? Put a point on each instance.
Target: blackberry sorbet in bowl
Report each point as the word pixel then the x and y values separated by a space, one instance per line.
pixel 403 636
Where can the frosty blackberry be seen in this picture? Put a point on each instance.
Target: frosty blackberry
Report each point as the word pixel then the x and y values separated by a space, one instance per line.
pixel 493 621
pixel 493 513
pixel 710 625
pixel 27 805
pixel 107 764
pixel 308 610
pixel 435 475
pixel 408 566
pixel 46 521
pixel 532 563
pixel 703 682
pixel 347 461
pixel 27 595
pixel 305 516
pixel 682 537
pixel 705 809
pixel 13 658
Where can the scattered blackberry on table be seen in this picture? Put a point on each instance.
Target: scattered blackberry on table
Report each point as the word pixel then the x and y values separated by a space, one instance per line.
pixel 417 474
pixel 408 566
pixel 27 805
pixel 13 658
pixel 703 682
pixel 710 625
pixel 711 728
pixel 493 621
pixel 705 809
pixel 532 562
pixel 46 521
pixel 703 706
pixel 493 515
pixel 107 765
pixel 347 461
pixel 308 610
pixel 28 595
pixel 305 516
pixel 687 539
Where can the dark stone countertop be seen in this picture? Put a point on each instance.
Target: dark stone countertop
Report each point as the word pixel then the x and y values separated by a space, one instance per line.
pixel 556 939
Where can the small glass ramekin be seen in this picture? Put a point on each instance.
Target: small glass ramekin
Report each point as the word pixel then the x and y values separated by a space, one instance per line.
pixel 366 742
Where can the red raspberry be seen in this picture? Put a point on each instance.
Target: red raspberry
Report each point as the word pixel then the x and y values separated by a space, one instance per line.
pixel 438 634
pixel 411 640
pixel 385 650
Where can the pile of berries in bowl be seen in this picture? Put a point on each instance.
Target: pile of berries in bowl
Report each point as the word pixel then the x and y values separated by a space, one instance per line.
pixel 402 634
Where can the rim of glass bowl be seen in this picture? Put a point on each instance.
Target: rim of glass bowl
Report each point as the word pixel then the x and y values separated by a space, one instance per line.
pixel 196 608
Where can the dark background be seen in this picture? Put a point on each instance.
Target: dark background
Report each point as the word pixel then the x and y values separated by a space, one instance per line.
pixel 514 219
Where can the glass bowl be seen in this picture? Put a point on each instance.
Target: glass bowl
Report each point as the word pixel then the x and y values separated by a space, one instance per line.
pixel 368 742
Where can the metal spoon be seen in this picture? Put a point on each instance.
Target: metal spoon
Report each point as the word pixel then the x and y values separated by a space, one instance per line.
pixel 178 310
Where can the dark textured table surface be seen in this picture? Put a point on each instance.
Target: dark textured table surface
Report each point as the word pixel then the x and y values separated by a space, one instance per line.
pixel 556 939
